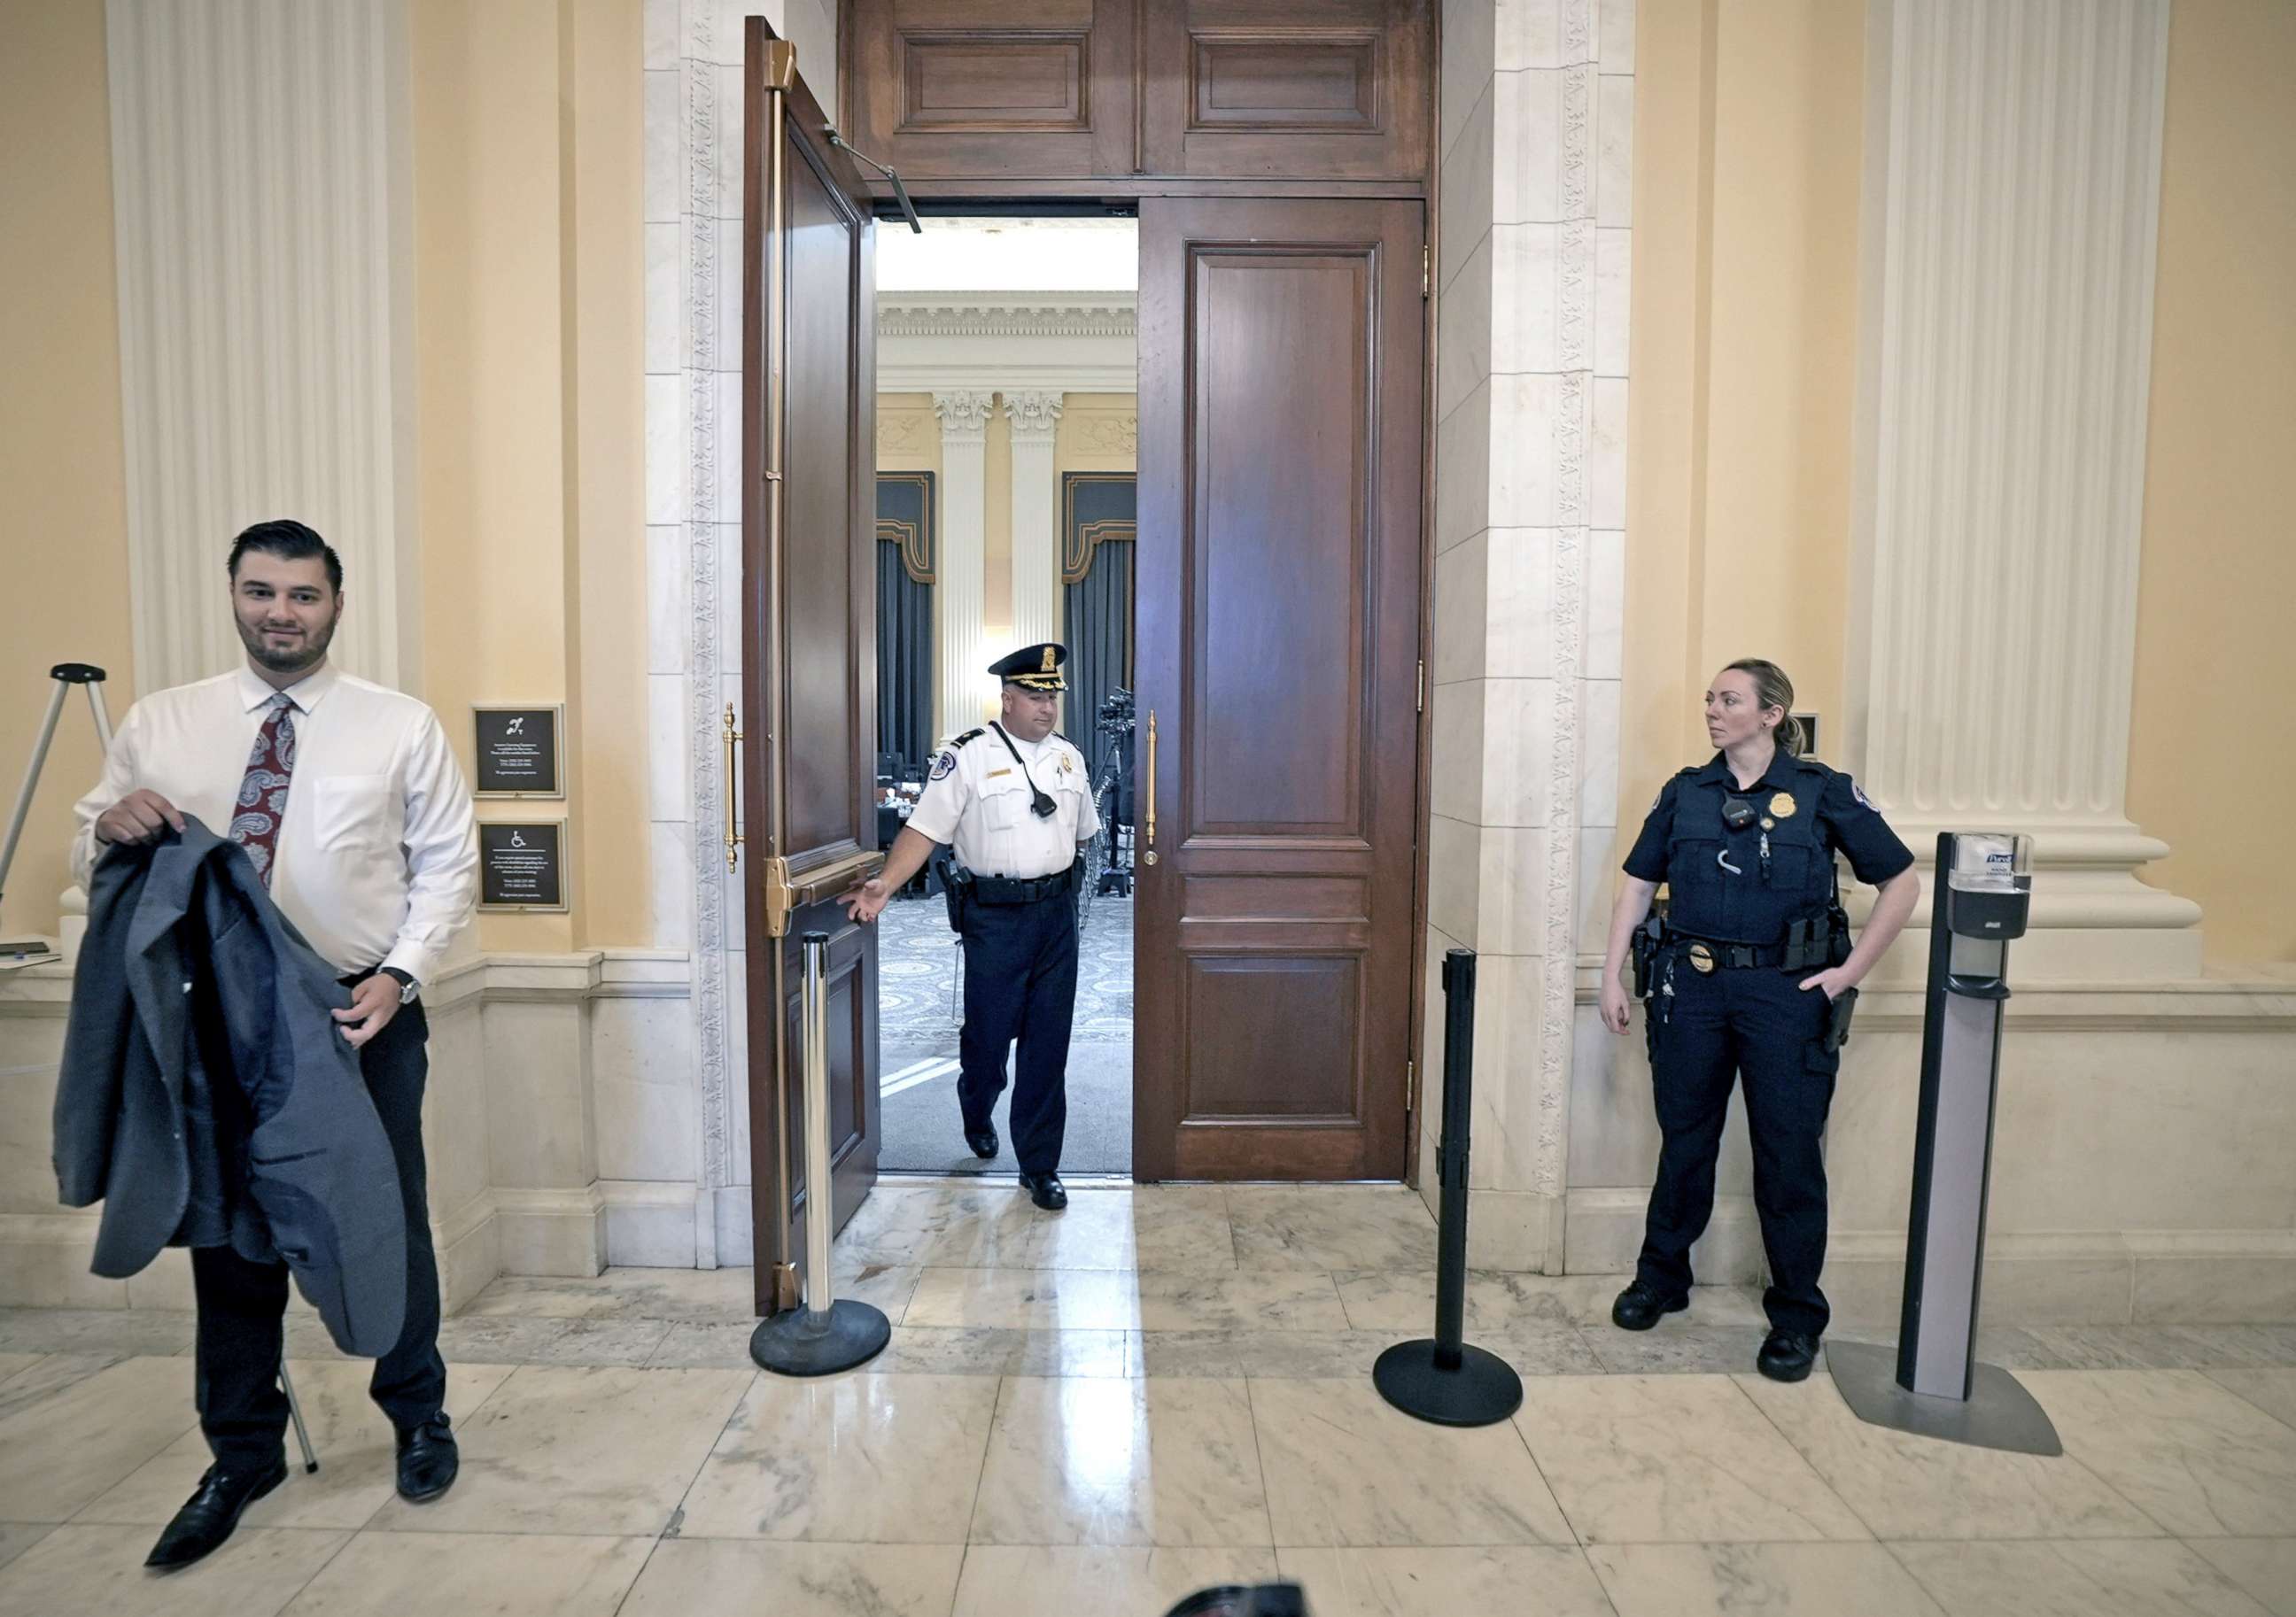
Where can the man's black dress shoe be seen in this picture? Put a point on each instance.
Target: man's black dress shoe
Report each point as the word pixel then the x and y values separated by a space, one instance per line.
pixel 1045 1190
pixel 1787 1356
pixel 1640 1306
pixel 428 1460
pixel 983 1142
pixel 208 1515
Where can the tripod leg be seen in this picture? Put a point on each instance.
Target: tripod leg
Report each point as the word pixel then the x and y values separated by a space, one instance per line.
pixel 23 808
pixel 295 1409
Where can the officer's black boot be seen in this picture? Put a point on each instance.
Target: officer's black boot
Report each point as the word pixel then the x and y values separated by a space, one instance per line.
pixel 1787 1355
pixel 1045 1190
pixel 1641 1305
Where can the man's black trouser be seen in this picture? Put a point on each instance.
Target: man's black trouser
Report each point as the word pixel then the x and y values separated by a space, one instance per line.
pixel 1757 1024
pixel 242 1304
pixel 1020 983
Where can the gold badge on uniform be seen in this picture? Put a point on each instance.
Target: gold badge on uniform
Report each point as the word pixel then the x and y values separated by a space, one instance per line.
pixel 1783 806
pixel 1050 652
pixel 1702 958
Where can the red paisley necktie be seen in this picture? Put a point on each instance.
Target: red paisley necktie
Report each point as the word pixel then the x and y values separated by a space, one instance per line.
pixel 263 789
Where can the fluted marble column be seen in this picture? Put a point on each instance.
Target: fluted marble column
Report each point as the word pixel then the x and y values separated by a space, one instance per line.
pixel 2014 155
pixel 958 593
pixel 1036 417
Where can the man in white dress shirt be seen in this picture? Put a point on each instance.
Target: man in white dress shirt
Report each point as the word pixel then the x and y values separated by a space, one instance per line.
pixel 349 802
pixel 1013 800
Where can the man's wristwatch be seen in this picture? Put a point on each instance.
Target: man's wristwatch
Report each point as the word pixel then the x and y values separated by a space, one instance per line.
pixel 408 988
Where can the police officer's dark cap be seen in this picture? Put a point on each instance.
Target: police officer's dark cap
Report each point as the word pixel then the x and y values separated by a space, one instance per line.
pixel 1034 668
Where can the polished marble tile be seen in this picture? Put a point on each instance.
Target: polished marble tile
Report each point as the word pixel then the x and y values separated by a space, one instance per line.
pixel 942 1226
pixel 1056 1299
pixel 1236 1355
pixel 1500 1301
pixel 1029 1299
pixel 2264 1567
pixel 358 1454
pixel 1105 1580
pixel 1153 1227
pixel 512 1340
pixel 1908 1487
pixel 1674 1349
pixel 562 1449
pixel 48 1375
pixel 2274 1391
pixel 17 1537
pixel 620 1294
pixel 2165 1347
pixel 1521 1580
pixel 1757 1580
pixel 749 1577
pixel 76 1571
pixel 990 1350
pixel 1332 1228
pixel 693 1345
pixel 2193 1456
pixel 2080 1578
pixel 852 1459
pixel 1673 1459
pixel 78 1441
pixel 13 1363
pixel 1077 1460
pixel 390 1574
pixel 121 1332
pixel 1344 1469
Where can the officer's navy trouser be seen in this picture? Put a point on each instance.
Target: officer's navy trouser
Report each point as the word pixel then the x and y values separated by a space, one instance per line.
pixel 1760 1023
pixel 1020 983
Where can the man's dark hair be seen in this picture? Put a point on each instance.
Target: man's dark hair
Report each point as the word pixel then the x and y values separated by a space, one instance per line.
pixel 290 540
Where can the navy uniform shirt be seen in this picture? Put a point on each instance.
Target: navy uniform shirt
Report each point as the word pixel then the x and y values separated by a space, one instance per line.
pixel 1807 811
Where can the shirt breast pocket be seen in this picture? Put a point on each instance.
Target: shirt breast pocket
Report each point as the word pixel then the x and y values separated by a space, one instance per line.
pixel 1005 802
pixel 353 811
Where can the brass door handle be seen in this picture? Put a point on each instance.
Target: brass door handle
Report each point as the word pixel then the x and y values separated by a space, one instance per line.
pixel 732 794
pixel 1148 819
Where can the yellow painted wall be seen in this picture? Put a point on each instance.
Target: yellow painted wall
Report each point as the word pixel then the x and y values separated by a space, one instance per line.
pixel 529 304
pixel 2210 771
pixel 64 527
pixel 1748 138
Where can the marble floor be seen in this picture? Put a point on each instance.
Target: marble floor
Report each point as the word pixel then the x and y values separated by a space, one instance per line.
pixel 1165 1389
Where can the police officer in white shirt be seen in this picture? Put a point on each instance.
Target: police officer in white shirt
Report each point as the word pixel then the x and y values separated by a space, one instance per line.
pixel 1013 800
pixel 348 802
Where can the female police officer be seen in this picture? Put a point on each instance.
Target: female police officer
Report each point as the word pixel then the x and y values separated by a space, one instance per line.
pixel 1753 954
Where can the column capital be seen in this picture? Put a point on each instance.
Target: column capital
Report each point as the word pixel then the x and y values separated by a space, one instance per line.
pixel 1035 412
pixel 964 413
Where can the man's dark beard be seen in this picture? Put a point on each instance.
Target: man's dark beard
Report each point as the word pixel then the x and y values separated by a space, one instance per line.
pixel 314 646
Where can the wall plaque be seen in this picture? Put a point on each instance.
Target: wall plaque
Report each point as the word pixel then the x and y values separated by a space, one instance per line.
pixel 519 754
pixel 523 864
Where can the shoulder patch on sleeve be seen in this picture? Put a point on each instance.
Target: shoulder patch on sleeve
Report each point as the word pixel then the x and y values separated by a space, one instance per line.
pixel 945 764
pixel 1858 792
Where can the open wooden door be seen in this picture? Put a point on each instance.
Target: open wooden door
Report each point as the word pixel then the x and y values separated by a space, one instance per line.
pixel 808 638
pixel 1281 349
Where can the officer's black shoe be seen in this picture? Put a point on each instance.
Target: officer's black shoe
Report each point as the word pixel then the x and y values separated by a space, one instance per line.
pixel 1045 1190
pixel 982 1140
pixel 1641 1305
pixel 1787 1356
pixel 208 1515
pixel 428 1460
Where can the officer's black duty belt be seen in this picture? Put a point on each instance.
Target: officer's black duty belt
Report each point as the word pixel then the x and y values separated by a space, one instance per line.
pixel 1018 890
pixel 1733 957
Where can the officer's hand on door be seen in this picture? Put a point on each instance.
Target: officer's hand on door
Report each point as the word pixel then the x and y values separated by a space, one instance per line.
pixel 867 902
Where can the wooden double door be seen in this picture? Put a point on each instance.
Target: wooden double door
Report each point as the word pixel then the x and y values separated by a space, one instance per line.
pixel 1278 624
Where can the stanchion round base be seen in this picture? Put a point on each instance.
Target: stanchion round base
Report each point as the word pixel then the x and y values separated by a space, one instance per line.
pixel 1482 1391
pixel 804 1342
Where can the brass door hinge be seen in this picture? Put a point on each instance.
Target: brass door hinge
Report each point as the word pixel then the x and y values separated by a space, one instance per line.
pixel 1427 272
pixel 776 891
pixel 1410 1083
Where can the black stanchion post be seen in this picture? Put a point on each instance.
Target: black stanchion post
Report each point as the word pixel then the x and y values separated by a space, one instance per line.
pixel 1443 1379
